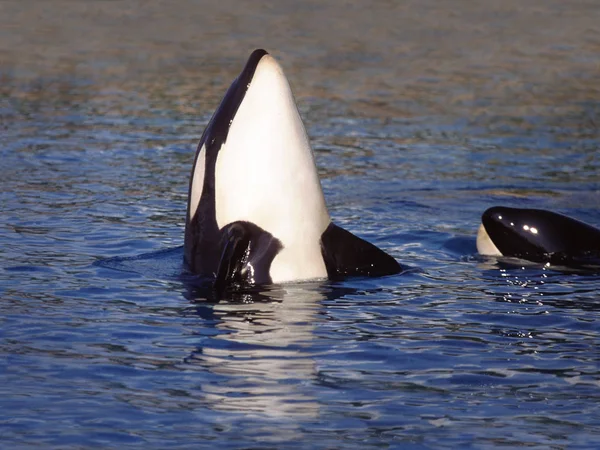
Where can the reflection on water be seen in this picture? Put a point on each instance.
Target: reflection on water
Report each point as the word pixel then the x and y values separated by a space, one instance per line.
pixel 262 355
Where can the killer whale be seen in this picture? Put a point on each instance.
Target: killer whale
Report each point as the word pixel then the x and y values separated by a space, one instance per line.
pixel 256 213
pixel 538 236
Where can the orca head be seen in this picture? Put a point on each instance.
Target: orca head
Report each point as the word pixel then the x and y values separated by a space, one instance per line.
pixel 510 232
pixel 256 212
pixel 534 234
pixel 254 165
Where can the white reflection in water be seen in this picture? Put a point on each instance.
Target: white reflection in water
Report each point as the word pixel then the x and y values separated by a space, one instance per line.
pixel 263 361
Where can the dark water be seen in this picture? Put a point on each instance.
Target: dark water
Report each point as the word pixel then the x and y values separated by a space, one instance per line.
pixel 422 115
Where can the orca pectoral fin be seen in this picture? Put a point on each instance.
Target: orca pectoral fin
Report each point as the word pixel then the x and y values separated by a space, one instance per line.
pixel 348 255
pixel 248 252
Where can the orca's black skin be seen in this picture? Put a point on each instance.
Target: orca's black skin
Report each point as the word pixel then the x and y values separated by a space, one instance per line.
pixel 201 231
pixel 248 252
pixel 348 255
pixel 240 254
pixel 542 236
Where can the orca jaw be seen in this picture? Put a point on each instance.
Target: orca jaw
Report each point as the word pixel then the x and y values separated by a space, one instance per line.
pixel 485 245
pixel 256 211
pixel 202 233
pixel 266 173
pixel 254 164
pixel 510 232
pixel 216 132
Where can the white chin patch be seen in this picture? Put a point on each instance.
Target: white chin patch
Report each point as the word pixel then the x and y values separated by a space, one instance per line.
pixel 197 182
pixel 485 246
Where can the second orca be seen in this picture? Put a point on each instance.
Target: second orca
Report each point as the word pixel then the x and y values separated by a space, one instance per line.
pixel 539 236
pixel 256 212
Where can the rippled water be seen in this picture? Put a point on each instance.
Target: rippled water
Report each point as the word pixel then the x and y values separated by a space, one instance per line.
pixel 421 115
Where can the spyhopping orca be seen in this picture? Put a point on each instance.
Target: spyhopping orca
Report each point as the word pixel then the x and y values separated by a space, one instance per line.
pixel 540 236
pixel 256 212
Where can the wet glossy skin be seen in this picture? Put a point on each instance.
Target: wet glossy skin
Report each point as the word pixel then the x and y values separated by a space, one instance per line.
pixel 256 211
pixel 541 236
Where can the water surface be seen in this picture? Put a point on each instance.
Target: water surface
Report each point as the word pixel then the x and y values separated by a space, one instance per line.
pixel 421 115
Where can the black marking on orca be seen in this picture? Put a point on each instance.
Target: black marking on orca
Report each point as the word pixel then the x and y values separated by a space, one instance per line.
pixel 348 255
pixel 542 236
pixel 202 231
pixel 241 253
pixel 248 252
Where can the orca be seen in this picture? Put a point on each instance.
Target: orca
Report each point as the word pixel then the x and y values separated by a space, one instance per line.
pixel 539 236
pixel 256 213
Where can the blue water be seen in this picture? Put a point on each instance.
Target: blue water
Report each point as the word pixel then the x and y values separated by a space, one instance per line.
pixel 104 345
